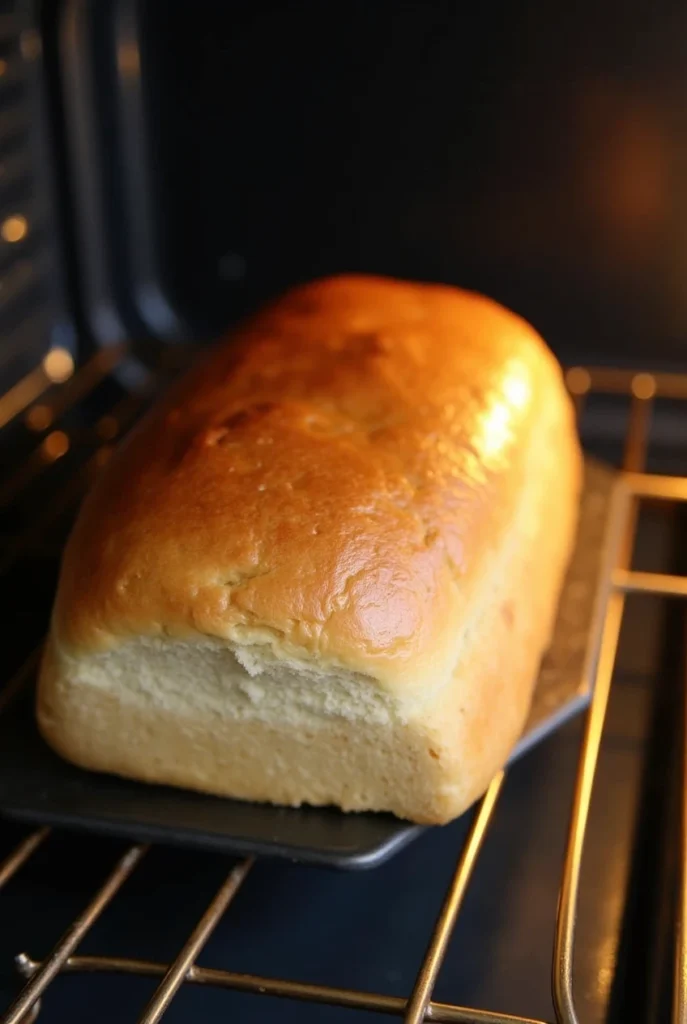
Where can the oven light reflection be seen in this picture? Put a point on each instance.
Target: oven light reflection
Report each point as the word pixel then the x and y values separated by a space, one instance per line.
pixel 495 431
pixel 55 446
pixel 496 424
pixel 578 380
pixel 14 228
pixel 643 386
pixel 516 388
pixel 58 365
pixel 39 418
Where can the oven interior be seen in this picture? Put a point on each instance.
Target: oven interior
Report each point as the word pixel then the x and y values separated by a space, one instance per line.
pixel 210 160
pixel 173 171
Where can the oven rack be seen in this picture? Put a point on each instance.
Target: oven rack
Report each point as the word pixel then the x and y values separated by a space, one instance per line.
pixel 39 411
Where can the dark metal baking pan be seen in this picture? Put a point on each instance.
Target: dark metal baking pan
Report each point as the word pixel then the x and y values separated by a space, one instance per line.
pixel 37 786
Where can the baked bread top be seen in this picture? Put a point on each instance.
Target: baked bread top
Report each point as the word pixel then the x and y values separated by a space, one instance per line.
pixel 334 480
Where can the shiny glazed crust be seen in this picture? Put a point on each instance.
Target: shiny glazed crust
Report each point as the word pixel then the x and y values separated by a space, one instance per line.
pixel 371 486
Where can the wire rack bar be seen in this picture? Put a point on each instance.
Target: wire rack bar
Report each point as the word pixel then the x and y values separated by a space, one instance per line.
pixel 25 391
pixel 86 379
pixel 178 970
pixel 656 487
pixel 657 583
pixel 599 673
pixel 602 668
pixel 57 368
pixel 612 381
pixel 618 580
pixel 282 988
pixel 21 853
pixel 434 957
pixel 63 498
pixel 107 428
pixel 637 438
pixel 52 966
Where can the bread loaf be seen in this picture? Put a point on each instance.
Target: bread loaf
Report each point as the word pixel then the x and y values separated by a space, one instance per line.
pixel 325 569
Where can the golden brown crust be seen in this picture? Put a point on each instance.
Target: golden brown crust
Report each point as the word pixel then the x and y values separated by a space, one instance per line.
pixel 374 488
pixel 338 476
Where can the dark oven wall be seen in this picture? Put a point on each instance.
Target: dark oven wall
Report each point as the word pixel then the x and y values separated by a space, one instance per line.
pixel 533 151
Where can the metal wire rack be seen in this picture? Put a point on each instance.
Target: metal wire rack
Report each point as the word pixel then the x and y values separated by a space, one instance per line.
pixel 44 412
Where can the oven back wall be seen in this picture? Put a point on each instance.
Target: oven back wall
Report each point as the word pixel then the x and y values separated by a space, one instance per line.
pixel 535 153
